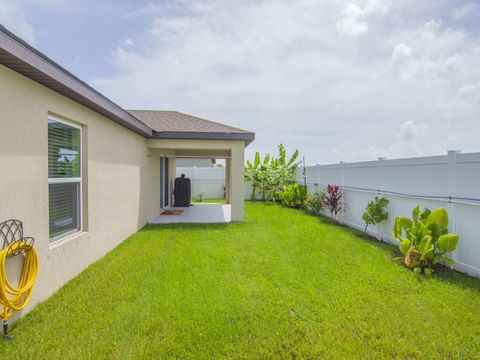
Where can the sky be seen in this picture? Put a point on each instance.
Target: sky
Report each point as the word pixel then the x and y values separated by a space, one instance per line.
pixel 339 80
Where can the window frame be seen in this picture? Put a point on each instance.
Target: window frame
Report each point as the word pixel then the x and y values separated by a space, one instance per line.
pixel 70 180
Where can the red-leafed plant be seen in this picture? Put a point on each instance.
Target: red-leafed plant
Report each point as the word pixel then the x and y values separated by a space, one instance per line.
pixel 333 199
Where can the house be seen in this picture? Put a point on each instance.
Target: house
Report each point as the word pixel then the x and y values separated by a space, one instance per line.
pixel 81 172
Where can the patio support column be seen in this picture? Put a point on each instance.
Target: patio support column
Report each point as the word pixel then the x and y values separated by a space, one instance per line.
pixel 228 183
pixel 237 182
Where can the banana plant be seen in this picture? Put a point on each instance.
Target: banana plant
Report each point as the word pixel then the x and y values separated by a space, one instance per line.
pixel 273 180
pixel 255 173
pixel 251 172
pixel 272 174
pixel 281 172
pixel 424 239
pixel 287 169
pixel 262 180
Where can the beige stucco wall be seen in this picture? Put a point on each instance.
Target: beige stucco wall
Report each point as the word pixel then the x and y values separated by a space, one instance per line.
pixel 123 179
pixel 234 149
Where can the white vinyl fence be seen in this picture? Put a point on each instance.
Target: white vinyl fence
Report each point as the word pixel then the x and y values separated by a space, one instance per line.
pixel 451 181
pixel 207 182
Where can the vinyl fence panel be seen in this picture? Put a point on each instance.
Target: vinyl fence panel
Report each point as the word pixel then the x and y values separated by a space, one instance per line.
pixel 207 182
pixel 451 181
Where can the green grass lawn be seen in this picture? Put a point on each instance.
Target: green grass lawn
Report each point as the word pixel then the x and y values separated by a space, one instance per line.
pixel 208 201
pixel 282 284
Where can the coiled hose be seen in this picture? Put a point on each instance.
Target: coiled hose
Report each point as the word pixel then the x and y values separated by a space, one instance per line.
pixel 16 298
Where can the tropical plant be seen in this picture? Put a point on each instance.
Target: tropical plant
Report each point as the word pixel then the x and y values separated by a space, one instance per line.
pixel 255 174
pixel 286 169
pixel 272 174
pixel 333 199
pixel 272 180
pixel 263 175
pixel 293 195
pixel 314 203
pixel 375 212
pixel 426 238
pixel 251 173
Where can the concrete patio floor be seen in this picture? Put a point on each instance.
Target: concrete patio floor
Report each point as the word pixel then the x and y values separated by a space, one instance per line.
pixel 198 213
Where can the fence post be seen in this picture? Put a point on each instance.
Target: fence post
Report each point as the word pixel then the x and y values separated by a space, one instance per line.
pixel 381 159
pixel 452 190
pixel 342 184
pixel 194 181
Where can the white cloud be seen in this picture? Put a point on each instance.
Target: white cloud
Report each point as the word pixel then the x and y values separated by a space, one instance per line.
pixel 401 51
pixel 284 70
pixel 353 22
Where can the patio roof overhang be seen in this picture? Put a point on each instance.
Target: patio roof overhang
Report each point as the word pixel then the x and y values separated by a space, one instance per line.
pixel 247 137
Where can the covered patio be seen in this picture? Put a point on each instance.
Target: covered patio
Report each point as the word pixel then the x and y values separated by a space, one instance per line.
pixel 177 135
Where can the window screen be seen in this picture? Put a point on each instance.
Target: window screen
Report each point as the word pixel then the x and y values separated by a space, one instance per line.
pixel 64 179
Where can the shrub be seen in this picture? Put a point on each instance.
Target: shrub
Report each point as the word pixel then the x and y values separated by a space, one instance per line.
pixel 427 239
pixel 333 199
pixel 375 212
pixel 314 203
pixel 293 195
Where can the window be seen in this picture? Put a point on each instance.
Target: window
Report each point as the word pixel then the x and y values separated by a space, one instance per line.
pixel 64 178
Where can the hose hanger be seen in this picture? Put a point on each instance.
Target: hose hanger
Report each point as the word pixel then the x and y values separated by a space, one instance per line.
pixel 14 243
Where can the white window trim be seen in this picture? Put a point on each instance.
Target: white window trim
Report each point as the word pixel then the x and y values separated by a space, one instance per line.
pixel 64 236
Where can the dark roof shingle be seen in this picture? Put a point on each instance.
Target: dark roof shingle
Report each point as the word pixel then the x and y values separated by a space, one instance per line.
pixel 169 123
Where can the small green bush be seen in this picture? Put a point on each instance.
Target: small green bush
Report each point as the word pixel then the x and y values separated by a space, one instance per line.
pixel 427 239
pixel 293 195
pixel 314 203
pixel 375 212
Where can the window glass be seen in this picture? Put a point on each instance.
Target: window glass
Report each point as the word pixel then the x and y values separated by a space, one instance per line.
pixel 63 150
pixel 64 179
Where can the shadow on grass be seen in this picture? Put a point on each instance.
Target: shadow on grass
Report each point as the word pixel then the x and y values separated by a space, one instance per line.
pixel 202 226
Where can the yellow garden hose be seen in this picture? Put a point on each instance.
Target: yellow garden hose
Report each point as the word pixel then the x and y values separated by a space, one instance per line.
pixel 15 298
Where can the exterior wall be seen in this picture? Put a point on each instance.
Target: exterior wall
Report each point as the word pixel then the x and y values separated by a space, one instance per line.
pixel 451 181
pixel 236 183
pixel 206 181
pixel 235 148
pixel 122 192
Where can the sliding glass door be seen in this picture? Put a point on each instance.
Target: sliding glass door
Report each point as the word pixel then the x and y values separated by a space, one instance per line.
pixel 164 193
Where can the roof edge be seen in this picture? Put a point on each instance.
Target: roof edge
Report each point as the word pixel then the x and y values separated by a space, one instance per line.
pixel 247 137
pixel 233 128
